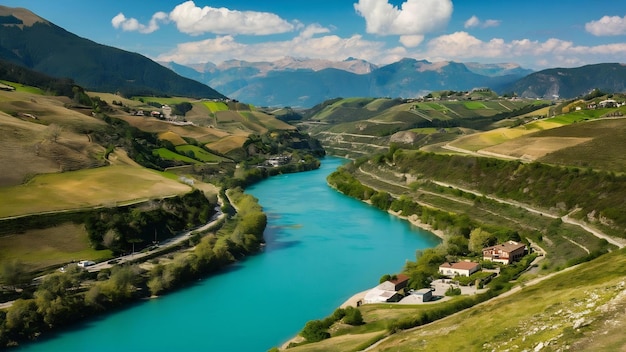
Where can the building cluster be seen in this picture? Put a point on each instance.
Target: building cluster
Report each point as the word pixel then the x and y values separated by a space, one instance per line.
pixel 394 290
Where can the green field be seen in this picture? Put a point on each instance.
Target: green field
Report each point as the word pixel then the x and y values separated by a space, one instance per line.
pixel 167 154
pixel 104 186
pixel 215 106
pixel 22 88
pixel 163 100
pixel 199 153
pixel 57 245
pixel 474 105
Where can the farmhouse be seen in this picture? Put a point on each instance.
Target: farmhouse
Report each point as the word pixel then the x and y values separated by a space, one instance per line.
pixel 459 269
pixel 505 253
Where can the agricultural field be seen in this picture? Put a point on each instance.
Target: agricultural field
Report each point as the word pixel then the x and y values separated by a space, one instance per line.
pixel 161 100
pixel 227 144
pixel 104 186
pixel 201 134
pixel 41 248
pixel 215 106
pixel 23 88
pixel 173 138
pixel 474 105
pixel 199 154
pixel 167 154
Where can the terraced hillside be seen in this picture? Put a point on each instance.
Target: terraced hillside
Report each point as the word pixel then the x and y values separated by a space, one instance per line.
pixel 361 126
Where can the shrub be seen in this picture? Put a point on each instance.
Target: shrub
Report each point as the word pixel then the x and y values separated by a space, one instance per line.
pixel 453 291
pixel 314 331
pixel 353 316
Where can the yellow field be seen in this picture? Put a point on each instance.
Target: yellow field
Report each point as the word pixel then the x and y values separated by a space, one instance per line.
pixel 202 134
pixel 491 140
pixel 172 137
pixel 103 186
pixel 531 148
pixel 227 144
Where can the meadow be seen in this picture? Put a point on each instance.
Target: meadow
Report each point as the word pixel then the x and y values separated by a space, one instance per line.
pixel 38 249
pixel 105 186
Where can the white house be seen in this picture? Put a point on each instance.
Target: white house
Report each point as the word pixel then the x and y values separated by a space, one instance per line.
pixel 379 295
pixel 459 269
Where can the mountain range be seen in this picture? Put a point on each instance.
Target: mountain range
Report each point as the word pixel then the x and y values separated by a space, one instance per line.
pixel 35 43
pixel 311 81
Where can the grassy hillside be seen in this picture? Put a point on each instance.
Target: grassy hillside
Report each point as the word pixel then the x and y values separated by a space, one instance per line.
pixel 105 186
pixel 580 309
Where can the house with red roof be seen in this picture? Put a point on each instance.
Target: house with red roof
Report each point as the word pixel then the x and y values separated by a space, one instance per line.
pixel 505 253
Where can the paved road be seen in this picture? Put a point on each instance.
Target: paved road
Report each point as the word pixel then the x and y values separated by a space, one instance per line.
pixel 171 242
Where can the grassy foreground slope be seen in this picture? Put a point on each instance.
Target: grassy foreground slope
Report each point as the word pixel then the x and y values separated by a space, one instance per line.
pixel 579 310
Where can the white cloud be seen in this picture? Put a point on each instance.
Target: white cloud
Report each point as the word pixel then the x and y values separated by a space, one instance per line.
pixel 312 30
pixel 472 22
pixel 461 46
pixel 195 20
pixel 306 44
pixel 607 25
pixel 411 40
pixel 476 22
pixel 132 24
pixel 414 17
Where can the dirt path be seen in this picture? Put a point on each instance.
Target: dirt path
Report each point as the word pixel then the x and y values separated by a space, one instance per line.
pixel 620 243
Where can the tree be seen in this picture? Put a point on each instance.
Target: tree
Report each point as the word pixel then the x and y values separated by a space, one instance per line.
pixel 353 316
pixel 384 278
pixel 54 300
pixel 315 331
pixel 22 318
pixel 53 132
pixel 14 273
pixel 480 239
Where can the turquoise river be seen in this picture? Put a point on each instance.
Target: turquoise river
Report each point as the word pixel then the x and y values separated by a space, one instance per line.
pixel 322 247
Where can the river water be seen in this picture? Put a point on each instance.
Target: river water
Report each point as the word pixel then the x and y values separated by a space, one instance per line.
pixel 322 247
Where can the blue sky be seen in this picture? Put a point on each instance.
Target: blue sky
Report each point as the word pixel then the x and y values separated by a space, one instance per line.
pixel 535 34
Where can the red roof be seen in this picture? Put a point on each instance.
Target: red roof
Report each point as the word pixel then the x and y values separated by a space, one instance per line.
pixel 400 278
pixel 460 265
pixel 508 247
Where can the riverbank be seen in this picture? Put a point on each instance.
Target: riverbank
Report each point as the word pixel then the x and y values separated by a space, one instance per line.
pixel 350 302
pixel 415 220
